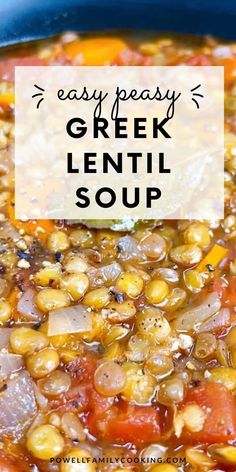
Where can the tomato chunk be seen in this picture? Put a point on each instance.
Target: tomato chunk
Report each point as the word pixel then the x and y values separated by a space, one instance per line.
pixel 200 60
pixel 229 293
pixel 127 424
pixel 227 290
pixel 7 66
pixel 219 407
pixel 83 368
pixel 109 420
pixel 137 425
pixel 82 396
pixel 128 57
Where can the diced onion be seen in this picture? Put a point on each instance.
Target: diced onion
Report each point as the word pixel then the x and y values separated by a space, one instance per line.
pixel 190 319
pixel 27 307
pixel 9 363
pixel 108 273
pixel 129 248
pixel 4 337
pixel 222 51
pixel 73 319
pixel 154 452
pixel 41 400
pixel 8 231
pixel 220 320
pixel 17 404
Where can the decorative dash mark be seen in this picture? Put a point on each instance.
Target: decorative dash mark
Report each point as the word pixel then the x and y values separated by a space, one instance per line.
pixel 193 90
pixel 38 94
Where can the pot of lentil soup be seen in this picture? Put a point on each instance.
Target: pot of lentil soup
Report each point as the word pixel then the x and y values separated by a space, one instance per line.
pixel 117 339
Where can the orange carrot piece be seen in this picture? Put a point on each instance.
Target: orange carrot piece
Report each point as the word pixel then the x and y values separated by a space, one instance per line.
pixel 6 104
pixel 95 52
pixel 230 68
pixel 213 258
pixel 7 100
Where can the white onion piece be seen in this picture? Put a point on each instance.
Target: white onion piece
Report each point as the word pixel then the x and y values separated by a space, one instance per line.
pixel 108 273
pixel 9 364
pixel 17 404
pixel 8 231
pixel 5 334
pixel 41 400
pixel 189 319
pixel 222 51
pixel 129 248
pixel 73 319
pixel 27 307
pixel 220 320
pixel 155 451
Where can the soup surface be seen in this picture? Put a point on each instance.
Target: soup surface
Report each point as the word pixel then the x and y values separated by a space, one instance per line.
pixel 117 348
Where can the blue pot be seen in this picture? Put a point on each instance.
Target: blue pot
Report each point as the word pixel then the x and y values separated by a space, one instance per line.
pixel 23 20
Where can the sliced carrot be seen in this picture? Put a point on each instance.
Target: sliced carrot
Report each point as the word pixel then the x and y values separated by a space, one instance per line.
pixel 37 228
pixel 213 258
pixel 7 66
pixel 7 101
pixel 230 68
pixel 95 52
pixel 6 104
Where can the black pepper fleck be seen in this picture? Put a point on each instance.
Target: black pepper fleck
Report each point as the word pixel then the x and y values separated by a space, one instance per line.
pixel 58 256
pixel 210 267
pixel 24 255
